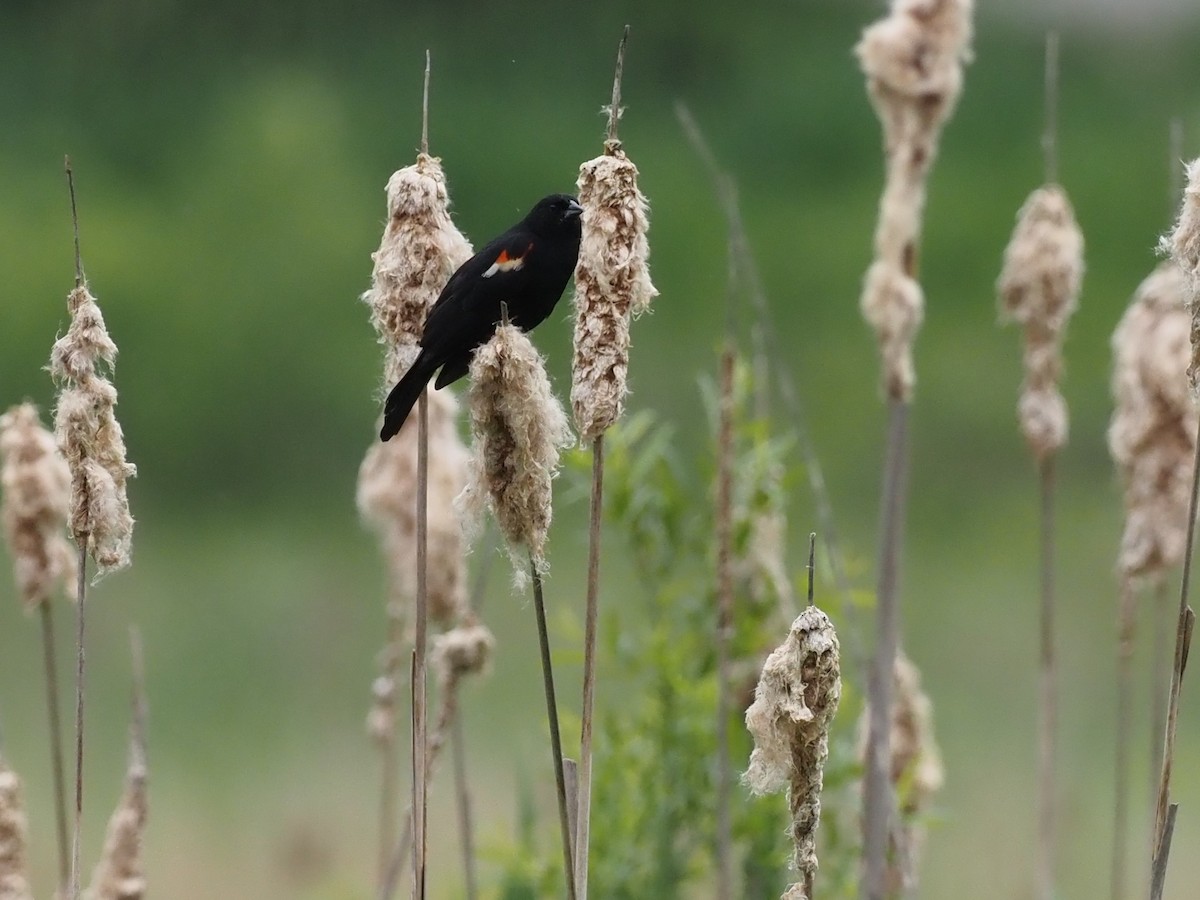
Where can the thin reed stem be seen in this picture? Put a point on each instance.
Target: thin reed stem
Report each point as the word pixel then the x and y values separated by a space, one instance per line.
pixel 462 793
pixel 425 108
pixel 1126 623
pixel 80 603
pixel 724 537
pixel 420 724
pixel 1158 877
pixel 878 799
pixel 1050 132
pixel 539 606
pixel 56 744
pixel 1048 692
pixel 1183 640
pixel 583 813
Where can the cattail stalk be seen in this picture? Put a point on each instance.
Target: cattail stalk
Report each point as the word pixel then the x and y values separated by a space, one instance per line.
pixel 14 865
pixel 1184 246
pixel 913 61
pixel 794 705
pixel 37 493
pixel 612 286
pixel 91 440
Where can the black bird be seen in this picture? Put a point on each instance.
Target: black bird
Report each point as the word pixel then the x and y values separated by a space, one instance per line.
pixel 526 268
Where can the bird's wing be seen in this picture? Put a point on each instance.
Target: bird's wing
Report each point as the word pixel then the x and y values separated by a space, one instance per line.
pixel 497 272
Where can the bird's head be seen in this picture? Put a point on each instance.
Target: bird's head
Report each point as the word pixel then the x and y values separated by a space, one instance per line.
pixel 555 214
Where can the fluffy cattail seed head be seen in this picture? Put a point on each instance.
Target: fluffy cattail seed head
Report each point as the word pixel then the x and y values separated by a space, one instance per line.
pixel 465 650
pixel 89 435
pixel 121 874
pixel 1039 290
pixel 387 499
pixel 913 61
pixel 419 252
pixel 1152 435
pixel 37 494
pixel 1183 244
pixel 794 705
pixel 612 285
pixel 519 427
pixel 14 867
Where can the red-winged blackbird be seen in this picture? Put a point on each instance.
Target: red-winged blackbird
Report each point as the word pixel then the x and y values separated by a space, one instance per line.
pixel 526 268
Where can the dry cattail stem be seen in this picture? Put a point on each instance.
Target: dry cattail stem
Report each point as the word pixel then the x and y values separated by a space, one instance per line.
pixel 794 705
pixel 89 435
pixel 913 61
pixel 37 493
pixel 519 427
pixel 1039 290
pixel 14 867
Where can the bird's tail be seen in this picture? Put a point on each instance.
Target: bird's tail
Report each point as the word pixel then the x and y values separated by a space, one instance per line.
pixel 404 396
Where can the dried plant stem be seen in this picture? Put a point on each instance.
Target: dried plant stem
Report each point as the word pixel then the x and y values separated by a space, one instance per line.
pixel 462 793
pixel 1125 635
pixel 724 537
pixel 1047 689
pixel 56 744
pixel 80 603
pixel 539 606
pixel 420 669
pixel 591 621
pixel 1158 876
pixel 878 802
pixel 1183 639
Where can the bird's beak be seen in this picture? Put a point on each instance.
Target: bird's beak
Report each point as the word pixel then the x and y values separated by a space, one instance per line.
pixel 574 210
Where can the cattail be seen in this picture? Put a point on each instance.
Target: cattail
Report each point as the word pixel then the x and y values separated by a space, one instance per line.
pixel 14 868
pixel 89 435
pixel 913 61
pixel 419 252
pixel 794 705
pixel 120 874
pixel 612 285
pixel 1183 245
pixel 1039 290
pixel 387 499
pixel 519 427
pixel 37 495
pixel 1152 435
pixel 915 770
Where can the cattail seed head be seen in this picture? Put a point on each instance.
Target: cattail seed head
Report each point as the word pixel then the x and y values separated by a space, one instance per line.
pixel 1152 435
pixel 612 285
pixel 418 253
pixel 1039 290
pixel 518 427
pixel 465 650
pixel 913 61
pixel 37 494
pixel 121 874
pixel 14 867
pixel 89 435
pixel 1183 244
pixel 387 499
pixel 794 705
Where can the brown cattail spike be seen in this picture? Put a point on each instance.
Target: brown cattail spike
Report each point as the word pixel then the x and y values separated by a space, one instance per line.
pixel 1152 435
pixel 913 62
pixel 612 285
pixel 1039 290
pixel 14 867
pixel 89 435
pixel 794 705
pixel 37 494
pixel 419 252
pixel 1183 244
pixel 519 427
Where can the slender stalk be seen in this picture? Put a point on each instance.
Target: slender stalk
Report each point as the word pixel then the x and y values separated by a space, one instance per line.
pixel 583 814
pixel 420 724
pixel 425 109
pixel 539 606
pixel 1158 877
pixel 462 793
pixel 1048 694
pixel 1125 636
pixel 878 799
pixel 1183 639
pixel 1050 134
pixel 724 536
pixel 56 744
pixel 80 603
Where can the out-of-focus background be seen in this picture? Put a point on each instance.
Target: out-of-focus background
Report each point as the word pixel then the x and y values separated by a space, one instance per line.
pixel 230 161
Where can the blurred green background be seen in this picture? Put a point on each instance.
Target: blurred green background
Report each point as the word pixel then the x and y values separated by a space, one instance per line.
pixel 230 161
